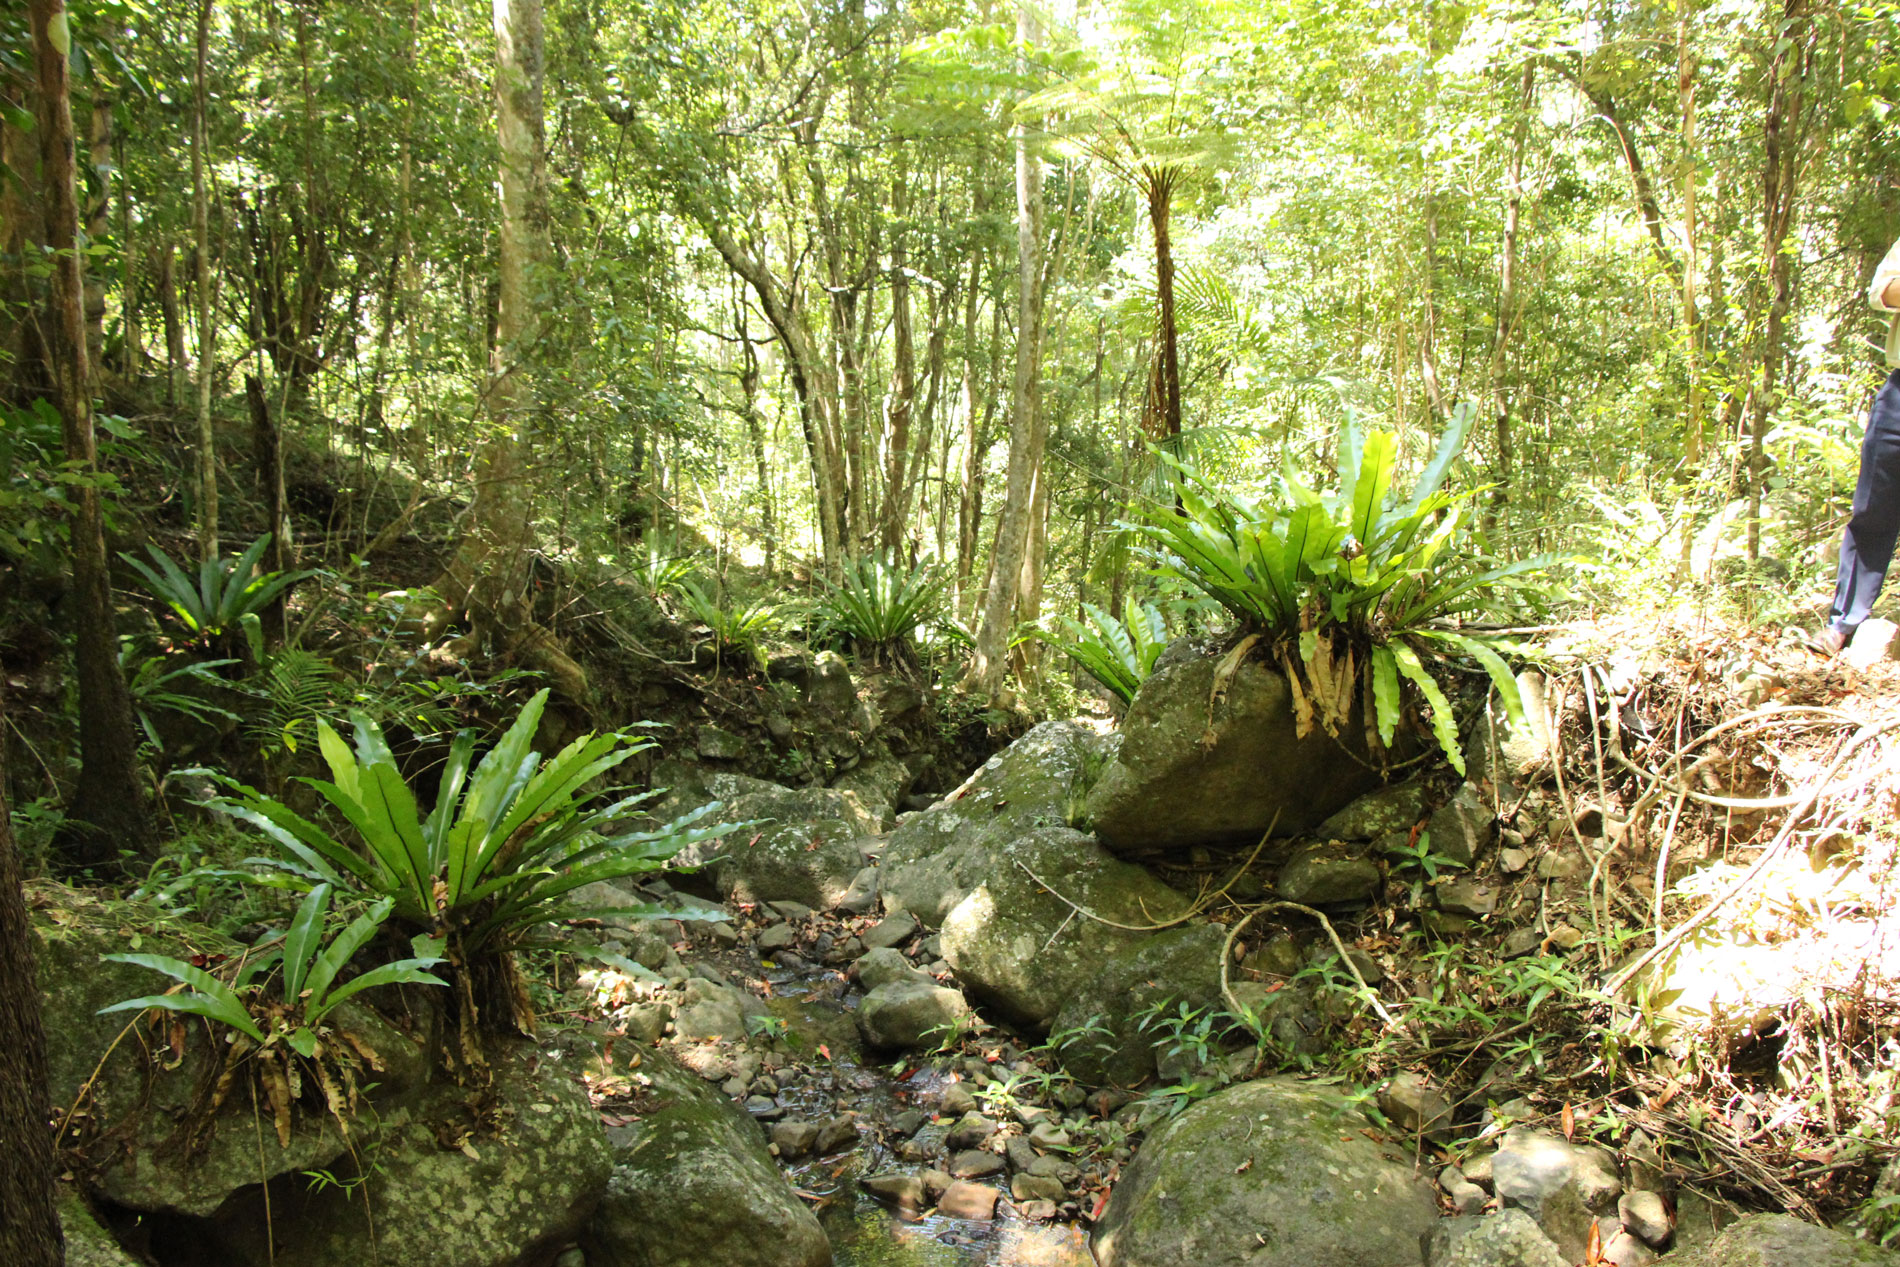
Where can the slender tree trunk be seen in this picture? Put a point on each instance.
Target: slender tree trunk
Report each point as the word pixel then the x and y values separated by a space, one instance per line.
pixel 903 372
pixel 267 462
pixel 131 263
pixel 30 1234
pixel 490 574
pixel 1025 431
pixel 22 347
pixel 174 323
pixel 107 813
pixel 98 225
pixel 1164 396
pixel 970 492
pixel 1691 326
pixel 207 330
pixel 1507 295
pixel 1779 175
pixel 755 433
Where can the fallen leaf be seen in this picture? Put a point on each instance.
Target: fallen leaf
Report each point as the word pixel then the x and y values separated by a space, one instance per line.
pixel 1570 1122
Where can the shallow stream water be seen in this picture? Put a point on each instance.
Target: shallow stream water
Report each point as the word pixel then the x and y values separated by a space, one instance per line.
pixel 863 1231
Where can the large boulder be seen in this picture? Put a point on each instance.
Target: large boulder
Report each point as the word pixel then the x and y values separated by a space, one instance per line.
pixel 1273 1173
pixel 693 1183
pixel 1101 1026
pixel 804 847
pixel 1781 1240
pixel 937 857
pixel 451 1186
pixel 1193 770
pixel 1019 948
pixel 172 1160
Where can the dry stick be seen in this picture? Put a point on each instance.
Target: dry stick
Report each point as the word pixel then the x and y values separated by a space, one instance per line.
pixel 1861 737
pixel 1662 861
pixel 1233 935
pixel 1194 909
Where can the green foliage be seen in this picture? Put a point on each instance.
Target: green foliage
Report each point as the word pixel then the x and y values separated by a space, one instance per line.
pixel 737 629
pixel 228 594
pixel 879 607
pixel 293 690
pixel 1358 580
pixel 1120 654
pixel 308 989
pixel 508 839
pixel 156 687
pixel 662 567
pixel 1418 857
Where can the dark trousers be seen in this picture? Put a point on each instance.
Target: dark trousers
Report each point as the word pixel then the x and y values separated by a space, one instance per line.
pixel 1867 545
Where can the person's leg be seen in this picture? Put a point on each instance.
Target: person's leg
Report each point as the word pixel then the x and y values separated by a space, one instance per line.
pixel 1867 545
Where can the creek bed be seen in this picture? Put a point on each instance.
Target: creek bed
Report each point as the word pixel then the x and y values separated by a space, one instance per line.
pixel 863 1231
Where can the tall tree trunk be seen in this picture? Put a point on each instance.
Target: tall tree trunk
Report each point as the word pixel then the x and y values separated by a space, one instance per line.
pixel 107 813
pixel 755 432
pixel 131 262
pixel 1780 171
pixel 489 576
pixel 22 345
pixel 1691 326
pixel 173 321
pixel 207 331
pixel 267 464
pixel 1164 395
pixel 970 490
pixel 1507 295
pixel 30 1234
pixel 1025 428
pixel 98 223
pixel 903 372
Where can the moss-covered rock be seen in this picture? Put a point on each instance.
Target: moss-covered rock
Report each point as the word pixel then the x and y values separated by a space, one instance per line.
pixel 146 1098
pixel 804 849
pixel 87 1243
pixel 693 1184
pixel 1105 1018
pixel 457 1180
pixel 1780 1240
pixel 1019 948
pixel 1275 1173
pixel 935 859
pixel 1195 770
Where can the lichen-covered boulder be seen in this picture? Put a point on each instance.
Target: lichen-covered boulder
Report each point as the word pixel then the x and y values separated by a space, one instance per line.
pixel 1274 1173
pixel 936 858
pixel 804 848
pixel 693 1184
pixel 1023 950
pixel 1103 1021
pixel 911 1013
pixel 1780 1240
pixel 1197 770
pixel 171 1161
pixel 456 1180
pixel 87 1243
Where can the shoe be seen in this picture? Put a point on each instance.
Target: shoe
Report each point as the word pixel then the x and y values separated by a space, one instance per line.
pixel 1832 640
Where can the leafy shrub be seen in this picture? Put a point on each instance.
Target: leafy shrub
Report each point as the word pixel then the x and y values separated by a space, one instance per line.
pixel 309 990
pixel 1348 587
pixel 879 607
pixel 309 964
pixel 662 567
pixel 156 687
pixel 227 595
pixel 736 629
pixel 508 839
pixel 1120 654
